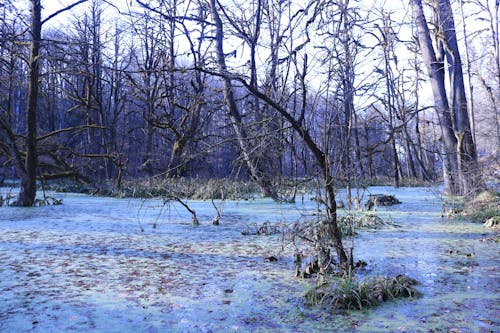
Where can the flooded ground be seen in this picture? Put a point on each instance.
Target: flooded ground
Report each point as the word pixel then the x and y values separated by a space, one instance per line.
pixel 126 265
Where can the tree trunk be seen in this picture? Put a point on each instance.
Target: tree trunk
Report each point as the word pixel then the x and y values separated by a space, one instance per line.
pixel 322 160
pixel 435 69
pixel 395 161
pixel 469 73
pixel 348 97
pixel 147 164
pixel 357 147
pixel 468 172
pixel 411 154
pixel 232 110
pixel 27 193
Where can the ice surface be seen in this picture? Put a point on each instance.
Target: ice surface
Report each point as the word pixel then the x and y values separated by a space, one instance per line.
pixel 99 264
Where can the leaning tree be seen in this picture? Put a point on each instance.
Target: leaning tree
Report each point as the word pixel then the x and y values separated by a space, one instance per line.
pixel 296 120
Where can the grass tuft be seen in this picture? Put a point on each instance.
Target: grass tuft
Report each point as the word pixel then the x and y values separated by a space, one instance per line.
pixel 350 293
pixel 483 207
pixel 350 222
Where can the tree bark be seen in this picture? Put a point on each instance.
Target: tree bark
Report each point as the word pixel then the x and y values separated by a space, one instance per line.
pixel 27 193
pixel 435 69
pixel 348 101
pixel 469 175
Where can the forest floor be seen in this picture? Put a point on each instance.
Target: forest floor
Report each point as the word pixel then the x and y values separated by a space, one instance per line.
pixel 99 264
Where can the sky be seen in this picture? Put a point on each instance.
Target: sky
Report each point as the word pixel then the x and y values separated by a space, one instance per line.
pixel 401 13
pixel 51 6
pixel 113 7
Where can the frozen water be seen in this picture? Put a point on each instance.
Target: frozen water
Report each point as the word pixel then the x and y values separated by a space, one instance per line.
pixel 99 264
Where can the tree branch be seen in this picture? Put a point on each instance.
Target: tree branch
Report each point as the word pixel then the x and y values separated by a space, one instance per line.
pixel 63 10
pixel 170 17
pixel 69 129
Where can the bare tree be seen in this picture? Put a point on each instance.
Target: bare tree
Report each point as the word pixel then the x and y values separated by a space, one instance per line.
pixel 487 70
pixel 148 83
pixel 260 177
pixel 297 122
pixel 338 26
pixel 460 159
pixel 27 167
pixel 28 170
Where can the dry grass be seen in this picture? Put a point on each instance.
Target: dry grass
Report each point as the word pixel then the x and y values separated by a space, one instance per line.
pixel 348 292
